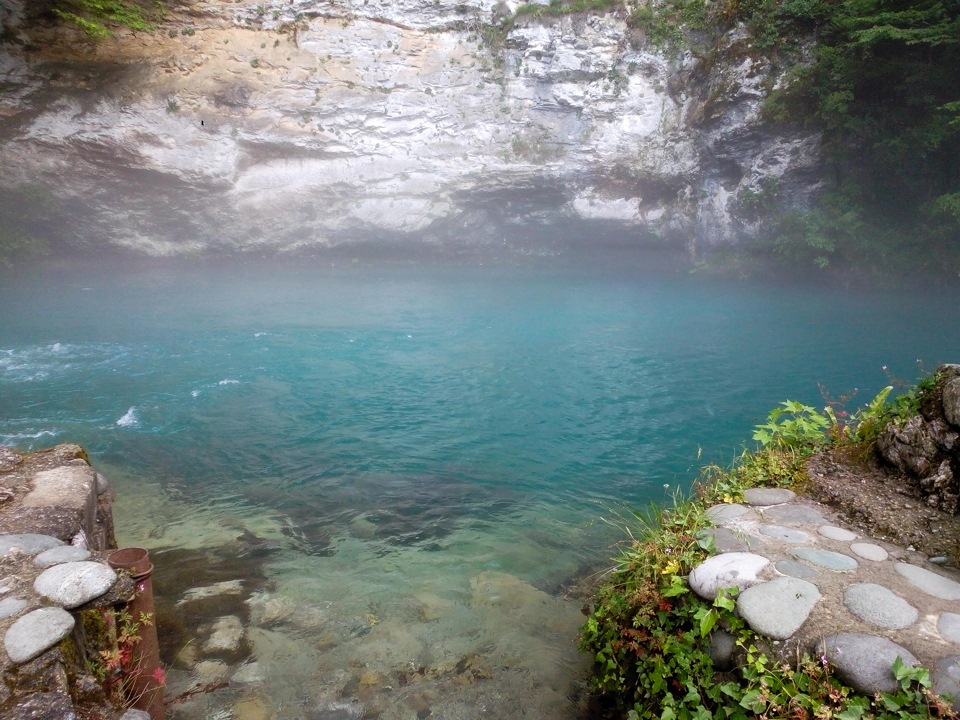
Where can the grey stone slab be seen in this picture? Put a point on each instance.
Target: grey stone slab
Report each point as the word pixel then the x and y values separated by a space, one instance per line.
pixel 724 513
pixel 62 554
pixel 825 558
pixel 722 645
pixel 833 532
pixel 864 661
pixel 74 583
pixel 869 551
pixel 726 540
pixel 785 534
pixel 11 606
pixel 880 606
pixel 946 680
pixel 929 582
pixel 768 496
pixel 66 486
pixel 795 569
pixel 28 543
pixel 948 625
pixel 793 514
pixel 735 569
pixel 36 632
pixel 778 608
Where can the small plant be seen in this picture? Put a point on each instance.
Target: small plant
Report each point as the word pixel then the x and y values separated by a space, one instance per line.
pixel 792 425
pixel 255 63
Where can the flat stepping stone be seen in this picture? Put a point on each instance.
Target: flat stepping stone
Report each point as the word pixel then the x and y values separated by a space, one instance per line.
pixel 869 551
pixel 62 554
pixel 864 661
pixel 929 582
pixel 794 515
pixel 726 540
pixel 948 625
pixel 768 496
pixel 833 532
pixel 734 569
pixel 825 558
pixel 36 632
pixel 74 583
pixel 795 569
pixel 785 534
pixel 11 606
pixel 778 608
pixel 946 680
pixel 724 513
pixel 880 606
pixel 28 543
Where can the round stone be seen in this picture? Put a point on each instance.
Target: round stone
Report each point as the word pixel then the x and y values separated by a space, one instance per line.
pixel 28 543
pixel 727 513
pixel 734 569
pixel 74 583
pixel 37 631
pixel 878 605
pixel 864 661
pixel 768 496
pixel 778 608
pixel 62 554
pixel 825 558
pixel 785 534
pixel 948 625
pixel 832 532
pixel 795 569
pixel 11 606
pixel 946 680
pixel 931 583
pixel 869 551
pixel 939 560
pixel 793 514
pixel 726 540
pixel 722 645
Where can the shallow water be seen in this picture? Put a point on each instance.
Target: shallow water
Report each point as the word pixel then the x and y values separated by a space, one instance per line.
pixel 404 466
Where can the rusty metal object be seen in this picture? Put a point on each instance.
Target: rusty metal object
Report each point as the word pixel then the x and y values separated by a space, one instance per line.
pixel 145 688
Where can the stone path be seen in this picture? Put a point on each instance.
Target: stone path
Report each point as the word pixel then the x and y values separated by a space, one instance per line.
pixel 809 583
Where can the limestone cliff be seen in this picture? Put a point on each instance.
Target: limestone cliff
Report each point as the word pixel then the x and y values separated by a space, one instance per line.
pixel 243 126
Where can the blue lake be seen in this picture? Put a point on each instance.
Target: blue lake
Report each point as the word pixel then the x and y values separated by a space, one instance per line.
pixel 404 466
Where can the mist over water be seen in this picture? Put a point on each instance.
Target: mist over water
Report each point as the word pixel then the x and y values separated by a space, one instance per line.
pixel 414 456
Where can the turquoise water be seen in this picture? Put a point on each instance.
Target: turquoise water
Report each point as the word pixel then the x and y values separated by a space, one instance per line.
pixel 405 465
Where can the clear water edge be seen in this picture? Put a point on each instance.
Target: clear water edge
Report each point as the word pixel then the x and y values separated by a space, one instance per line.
pixel 416 459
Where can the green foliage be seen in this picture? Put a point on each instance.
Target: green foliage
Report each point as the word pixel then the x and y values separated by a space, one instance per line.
pixel 649 634
pixel 95 17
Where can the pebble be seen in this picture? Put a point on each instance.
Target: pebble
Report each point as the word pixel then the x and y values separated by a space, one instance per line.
pixel 864 661
pixel 37 631
pixel 59 555
pixel 833 532
pixel 877 605
pixel 11 606
pixel 785 534
pixel 778 608
pixel 795 569
pixel 939 560
pixel 75 583
pixel 28 543
pixel 869 551
pixel 948 625
pixel 929 582
pixel 735 569
pixel 825 558
pixel 768 496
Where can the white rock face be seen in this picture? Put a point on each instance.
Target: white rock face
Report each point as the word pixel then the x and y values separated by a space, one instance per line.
pixel 247 125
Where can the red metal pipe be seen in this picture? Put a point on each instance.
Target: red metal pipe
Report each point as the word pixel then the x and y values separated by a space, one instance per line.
pixel 145 687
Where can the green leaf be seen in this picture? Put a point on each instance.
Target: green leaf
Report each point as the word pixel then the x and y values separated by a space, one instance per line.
pixel 707 622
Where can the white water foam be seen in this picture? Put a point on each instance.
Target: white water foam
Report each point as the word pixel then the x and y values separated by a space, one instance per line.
pixel 129 418
pixel 26 435
pixel 228 381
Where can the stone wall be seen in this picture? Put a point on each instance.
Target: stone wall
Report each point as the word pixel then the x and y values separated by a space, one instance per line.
pixel 926 448
pixel 56 529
